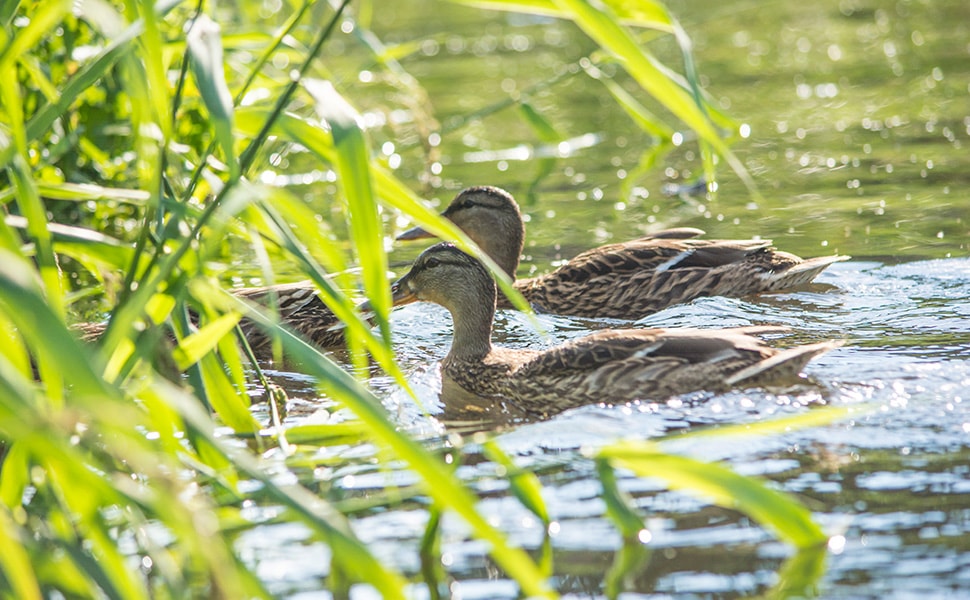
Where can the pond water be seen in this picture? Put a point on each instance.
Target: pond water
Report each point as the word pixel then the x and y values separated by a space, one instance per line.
pixel 859 120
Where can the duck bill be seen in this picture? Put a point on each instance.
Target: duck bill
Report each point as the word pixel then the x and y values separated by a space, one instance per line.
pixel 401 293
pixel 415 233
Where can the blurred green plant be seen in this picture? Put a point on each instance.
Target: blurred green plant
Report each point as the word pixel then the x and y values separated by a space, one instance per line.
pixel 138 147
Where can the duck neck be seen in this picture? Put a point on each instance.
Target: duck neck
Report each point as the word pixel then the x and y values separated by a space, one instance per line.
pixel 473 328
pixel 504 246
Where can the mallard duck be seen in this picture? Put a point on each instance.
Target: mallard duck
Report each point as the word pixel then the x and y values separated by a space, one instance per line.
pixel 300 309
pixel 617 365
pixel 627 280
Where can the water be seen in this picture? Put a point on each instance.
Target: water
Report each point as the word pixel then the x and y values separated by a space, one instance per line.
pixel 859 115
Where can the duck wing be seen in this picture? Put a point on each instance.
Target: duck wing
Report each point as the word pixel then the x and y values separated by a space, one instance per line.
pixel 628 364
pixel 292 298
pixel 632 279
pixel 300 308
pixel 690 346
pixel 675 233
pixel 653 255
pixel 624 365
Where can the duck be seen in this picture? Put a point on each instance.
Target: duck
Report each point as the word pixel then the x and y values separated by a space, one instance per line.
pixel 626 280
pixel 298 305
pixel 610 365
pixel 300 309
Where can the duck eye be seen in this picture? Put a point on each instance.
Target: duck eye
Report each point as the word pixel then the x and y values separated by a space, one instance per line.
pixel 432 263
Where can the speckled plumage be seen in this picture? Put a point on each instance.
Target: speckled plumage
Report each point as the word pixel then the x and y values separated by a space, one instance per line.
pixel 608 366
pixel 300 309
pixel 627 280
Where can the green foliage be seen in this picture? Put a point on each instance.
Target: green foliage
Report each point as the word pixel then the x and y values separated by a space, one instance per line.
pixel 787 518
pixel 124 175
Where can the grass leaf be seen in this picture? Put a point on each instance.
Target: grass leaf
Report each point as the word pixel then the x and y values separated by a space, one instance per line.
pixel 191 349
pixel 205 57
pixel 14 560
pixel 352 162
pixel 788 519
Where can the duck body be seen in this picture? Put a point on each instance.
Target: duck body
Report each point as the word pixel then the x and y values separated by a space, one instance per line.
pixel 627 280
pixel 630 280
pixel 620 366
pixel 614 366
pixel 300 309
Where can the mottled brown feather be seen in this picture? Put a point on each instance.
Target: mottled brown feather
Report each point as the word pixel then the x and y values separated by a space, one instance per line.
pixel 300 309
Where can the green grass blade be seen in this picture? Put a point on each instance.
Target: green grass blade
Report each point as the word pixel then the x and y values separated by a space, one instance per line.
pixel 37 229
pixel 330 524
pixel 88 75
pixel 642 13
pixel 816 417
pixel 205 60
pixel 800 575
pixel 540 125
pixel 84 245
pixel 191 349
pixel 352 162
pixel 646 120
pixel 230 404
pixel 629 561
pixel 618 504
pixel 7 11
pixel 28 198
pixel 327 434
pixel 524 484
pixel 156 82
pixel 85 192
pixel 15 475
pixel 24 302
pixel 12 346
pixel 14 560
pixel 47 16
pixel 787 518
pixel 604 28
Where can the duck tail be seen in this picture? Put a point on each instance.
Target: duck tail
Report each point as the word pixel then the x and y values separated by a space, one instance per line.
pixel 802 273
pixel 783 367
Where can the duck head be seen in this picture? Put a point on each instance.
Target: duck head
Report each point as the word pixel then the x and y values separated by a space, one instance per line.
pixel 445 275
pixel 490 216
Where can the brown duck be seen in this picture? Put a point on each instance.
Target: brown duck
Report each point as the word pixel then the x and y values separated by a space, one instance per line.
pixel 610 365
pixel 627 280
pixel 300 309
